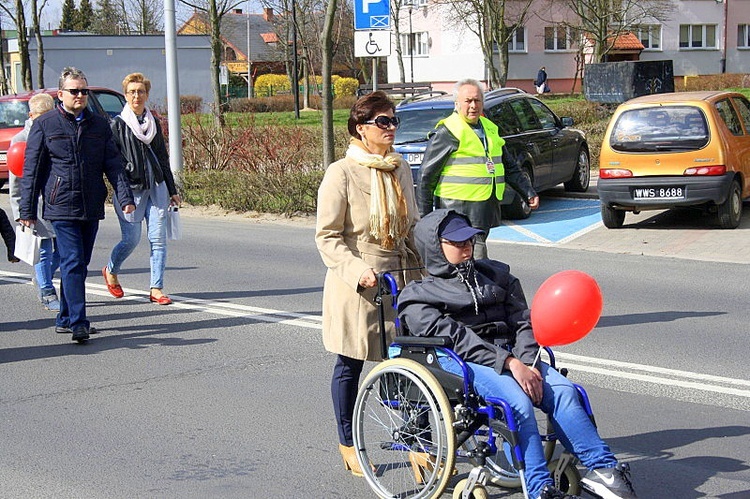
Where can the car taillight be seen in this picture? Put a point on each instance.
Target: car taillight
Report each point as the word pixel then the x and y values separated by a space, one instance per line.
pixel 706 170
pixel 615 173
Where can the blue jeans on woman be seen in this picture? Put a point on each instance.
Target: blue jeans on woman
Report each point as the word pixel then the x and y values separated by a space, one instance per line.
pixel 572 425
pixel 49 262
pixel 131 235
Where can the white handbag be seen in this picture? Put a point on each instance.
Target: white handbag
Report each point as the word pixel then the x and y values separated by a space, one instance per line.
pixel 174 225
pixel 27 244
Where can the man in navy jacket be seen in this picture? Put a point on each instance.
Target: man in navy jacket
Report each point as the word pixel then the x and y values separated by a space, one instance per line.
pixel 68 151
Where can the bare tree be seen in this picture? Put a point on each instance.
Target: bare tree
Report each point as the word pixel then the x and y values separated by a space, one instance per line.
pixel 600 22
pixel 215 10
pixel 143 17
pixel 19 18
pixel 327 49
pixel 396 20
pixel 493 22
pixel 36 13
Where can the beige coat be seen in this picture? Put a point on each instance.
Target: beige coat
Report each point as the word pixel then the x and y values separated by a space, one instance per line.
pixel 350 317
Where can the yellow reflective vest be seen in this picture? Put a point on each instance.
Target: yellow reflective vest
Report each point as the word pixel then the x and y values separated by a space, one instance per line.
pixel 465 175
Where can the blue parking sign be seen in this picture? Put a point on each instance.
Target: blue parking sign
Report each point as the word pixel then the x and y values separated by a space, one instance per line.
pixel 372 14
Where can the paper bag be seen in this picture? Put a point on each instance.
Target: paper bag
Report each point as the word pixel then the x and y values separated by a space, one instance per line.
pixel 27 245
pixel 174 225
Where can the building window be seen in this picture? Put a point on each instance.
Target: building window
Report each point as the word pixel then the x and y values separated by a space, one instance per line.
pixel 743 36
pixel 419 43
pixel 649 35
pixel 517 42
pixel 697 36
pixel 230 54
pixel 558 38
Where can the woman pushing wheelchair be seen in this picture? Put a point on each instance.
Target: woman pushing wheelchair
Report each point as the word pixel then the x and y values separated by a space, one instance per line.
pixel 481 307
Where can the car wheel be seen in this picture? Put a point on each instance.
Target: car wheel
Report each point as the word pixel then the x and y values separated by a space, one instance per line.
pixel 730 211
pixel 612 218
pixel 582 174
pixel 518 209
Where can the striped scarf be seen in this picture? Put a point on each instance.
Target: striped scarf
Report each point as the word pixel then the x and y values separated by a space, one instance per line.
pixel 389 222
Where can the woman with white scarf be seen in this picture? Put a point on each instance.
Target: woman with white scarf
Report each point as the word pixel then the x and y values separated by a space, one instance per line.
pixel 140 139
pixel 366 213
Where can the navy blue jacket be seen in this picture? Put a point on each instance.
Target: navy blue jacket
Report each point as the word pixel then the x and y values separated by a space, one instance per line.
pixel 483 310
pixel 66 160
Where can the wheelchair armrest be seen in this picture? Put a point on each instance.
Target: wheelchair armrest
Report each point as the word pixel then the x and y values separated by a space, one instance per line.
pixel 432 341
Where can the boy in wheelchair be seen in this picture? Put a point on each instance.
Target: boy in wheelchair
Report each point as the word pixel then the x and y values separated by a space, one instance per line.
pixel 481 307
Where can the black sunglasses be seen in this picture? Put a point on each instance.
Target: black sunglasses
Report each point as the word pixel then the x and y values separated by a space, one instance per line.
pixel 76 91
pixel 383 122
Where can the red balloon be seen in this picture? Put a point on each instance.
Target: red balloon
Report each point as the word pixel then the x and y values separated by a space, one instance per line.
pixel 566 308
pixel 15 157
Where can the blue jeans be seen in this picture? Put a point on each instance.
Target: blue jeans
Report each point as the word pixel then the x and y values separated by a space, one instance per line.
pixel 49 262
pixel 572 425
pixel 131 235
pixel 75 243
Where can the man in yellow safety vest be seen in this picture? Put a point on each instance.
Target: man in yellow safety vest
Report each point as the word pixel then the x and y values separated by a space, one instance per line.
pixel 463 166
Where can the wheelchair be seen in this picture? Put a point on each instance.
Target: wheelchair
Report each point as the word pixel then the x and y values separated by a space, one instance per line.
pixel 413 421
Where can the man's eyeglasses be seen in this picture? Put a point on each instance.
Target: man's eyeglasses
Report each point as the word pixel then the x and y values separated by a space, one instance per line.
pixel 75 91
pixel 383 122
pixel 136 92
pixel 460 244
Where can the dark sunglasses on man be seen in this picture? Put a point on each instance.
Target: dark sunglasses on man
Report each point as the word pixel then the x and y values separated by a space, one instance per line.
pixel 384 122
pixel 75 91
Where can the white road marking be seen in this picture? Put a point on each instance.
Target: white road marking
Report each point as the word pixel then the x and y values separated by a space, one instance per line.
pixel 614 368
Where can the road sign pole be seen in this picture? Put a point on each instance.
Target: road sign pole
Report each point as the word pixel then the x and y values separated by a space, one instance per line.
pixel 374 73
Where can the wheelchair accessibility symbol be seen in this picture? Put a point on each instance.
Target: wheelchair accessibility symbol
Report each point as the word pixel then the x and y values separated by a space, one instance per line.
pixel 372 43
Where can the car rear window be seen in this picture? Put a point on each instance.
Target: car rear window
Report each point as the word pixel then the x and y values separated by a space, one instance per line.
pixel 417 123
pixel 13 114
pixel 669 129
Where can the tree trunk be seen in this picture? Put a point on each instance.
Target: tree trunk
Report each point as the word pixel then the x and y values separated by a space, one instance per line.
pixel 326 43
pixel 396 15
pixel 23 46
pixel 215 21
pixel 39 43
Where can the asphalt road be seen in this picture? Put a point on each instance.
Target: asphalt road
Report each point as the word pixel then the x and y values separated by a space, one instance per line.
pixel 225 393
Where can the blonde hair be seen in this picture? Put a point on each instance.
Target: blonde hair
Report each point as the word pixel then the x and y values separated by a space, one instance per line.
pixel 40 104
pixel 136 78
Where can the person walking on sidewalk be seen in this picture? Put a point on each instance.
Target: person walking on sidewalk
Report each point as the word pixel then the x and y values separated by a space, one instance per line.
pixel 68 152
pixel 49 259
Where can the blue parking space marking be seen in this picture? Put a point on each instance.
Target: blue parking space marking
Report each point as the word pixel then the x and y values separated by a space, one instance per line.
pixel 556 221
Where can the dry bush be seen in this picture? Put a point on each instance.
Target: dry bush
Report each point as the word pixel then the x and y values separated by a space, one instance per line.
pixel 190 104
pixel 713 82
pixel 267 168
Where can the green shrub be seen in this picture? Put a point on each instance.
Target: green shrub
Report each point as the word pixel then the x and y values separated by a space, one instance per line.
pixel 345 86
pixel 270 84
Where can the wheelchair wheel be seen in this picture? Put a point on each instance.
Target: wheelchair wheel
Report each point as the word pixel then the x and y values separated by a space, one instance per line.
pixel 478 492
pixel 500 466
pixel 403 428
pixel 570 479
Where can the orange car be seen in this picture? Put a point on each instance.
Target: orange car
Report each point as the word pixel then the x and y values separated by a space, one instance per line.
pixel 14 111
pixel 678 149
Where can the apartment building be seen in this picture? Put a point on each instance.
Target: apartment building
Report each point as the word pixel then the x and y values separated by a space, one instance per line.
pixel 700 37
